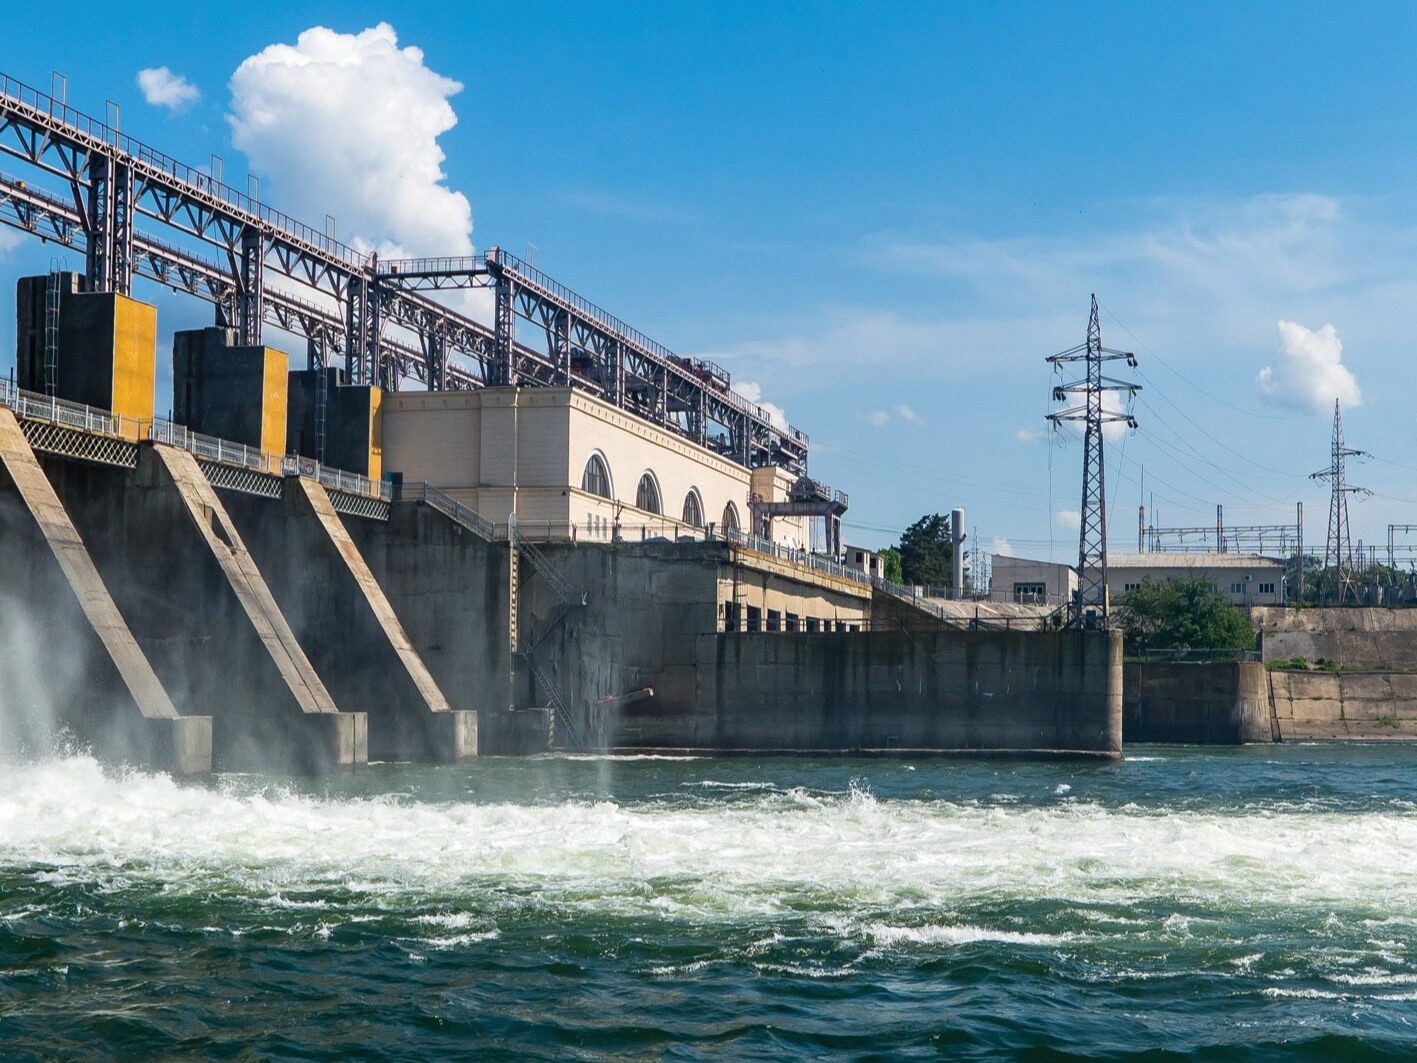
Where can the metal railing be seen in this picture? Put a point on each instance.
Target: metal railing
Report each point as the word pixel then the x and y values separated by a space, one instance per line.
pixel 543 566
pixel 449 507
pixel 335 479
pixel 211 448
pixel 1189 655
pixel 458 264
pixel 68 414
pixel 90 419
pixel 797 556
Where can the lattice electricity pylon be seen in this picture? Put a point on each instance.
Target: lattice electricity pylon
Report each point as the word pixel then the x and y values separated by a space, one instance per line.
pixel 1092 532
pixel 1338 551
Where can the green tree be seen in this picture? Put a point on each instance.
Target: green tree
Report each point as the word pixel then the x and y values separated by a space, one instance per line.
pixel 926 553
pixel 1182 614
pixel 890 560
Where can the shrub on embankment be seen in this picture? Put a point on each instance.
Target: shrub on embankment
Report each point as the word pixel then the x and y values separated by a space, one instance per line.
pixel 1187 614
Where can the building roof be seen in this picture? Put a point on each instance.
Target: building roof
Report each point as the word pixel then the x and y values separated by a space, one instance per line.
pixel 1191 561
pixel 1004 560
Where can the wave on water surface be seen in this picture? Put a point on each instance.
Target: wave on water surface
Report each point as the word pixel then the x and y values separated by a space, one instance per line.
pixel 711 861
pixel 523 897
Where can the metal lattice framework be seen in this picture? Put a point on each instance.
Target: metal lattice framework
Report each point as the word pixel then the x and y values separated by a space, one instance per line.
pixel 1092 386
pixel 354 505
pixel 1266 540
pixel 235 478
pixel 1338 550
pixel 1401 553
pixel 261 267
pixel 79 444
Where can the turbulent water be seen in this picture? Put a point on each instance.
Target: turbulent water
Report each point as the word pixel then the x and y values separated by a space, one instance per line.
pixel 1246 904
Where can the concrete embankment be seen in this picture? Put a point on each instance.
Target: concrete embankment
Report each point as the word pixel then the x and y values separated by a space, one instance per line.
pixel 1373 698
pixel 920 692
pixel 1365 706
pixel 1349 637
pixel 1205 703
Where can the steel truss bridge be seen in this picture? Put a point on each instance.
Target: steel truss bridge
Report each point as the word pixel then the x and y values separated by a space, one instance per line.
pixel 134 212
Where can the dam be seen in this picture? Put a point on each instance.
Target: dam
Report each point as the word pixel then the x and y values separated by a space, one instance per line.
pixel 438 537
pixel 236 607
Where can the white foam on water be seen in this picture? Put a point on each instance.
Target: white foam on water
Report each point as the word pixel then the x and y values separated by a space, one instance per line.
pixel 849 855
pixel 958 935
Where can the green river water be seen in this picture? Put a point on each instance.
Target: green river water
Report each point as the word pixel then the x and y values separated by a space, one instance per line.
pixel 1244 904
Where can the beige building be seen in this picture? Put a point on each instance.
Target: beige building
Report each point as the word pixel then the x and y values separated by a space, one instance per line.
pixel 1245 579
pixel 571 466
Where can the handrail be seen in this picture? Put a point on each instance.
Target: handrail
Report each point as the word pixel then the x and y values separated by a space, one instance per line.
pixel 91 419
pixel 558 583
pixel 211 447
pixel 449 507
pixel 69 414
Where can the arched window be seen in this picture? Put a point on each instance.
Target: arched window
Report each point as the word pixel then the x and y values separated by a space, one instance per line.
pixel 730 518
pixel 693 509
pixel 596 478
pixel 647 494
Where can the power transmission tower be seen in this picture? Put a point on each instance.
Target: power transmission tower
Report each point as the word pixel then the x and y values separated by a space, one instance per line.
pixel 1092 604
pixel 1338 552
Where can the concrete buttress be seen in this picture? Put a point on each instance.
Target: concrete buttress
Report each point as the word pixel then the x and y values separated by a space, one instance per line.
pixel 196 601
pixel 125 711
pixel 349 627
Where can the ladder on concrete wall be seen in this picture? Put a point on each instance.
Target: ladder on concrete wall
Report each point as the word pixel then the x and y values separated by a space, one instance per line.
pixel 322 387
pixel 51 334
pixel 562 731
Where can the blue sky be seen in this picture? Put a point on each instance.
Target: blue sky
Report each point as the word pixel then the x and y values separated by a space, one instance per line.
pixel 886 217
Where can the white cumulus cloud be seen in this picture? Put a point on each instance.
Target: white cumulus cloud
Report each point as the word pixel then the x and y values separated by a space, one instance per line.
pixel 1002 547
pixel 1031 435
pixel 348 124
pixel 1309 372
pixel 1068 518
pixel 162 88
pixel 878 418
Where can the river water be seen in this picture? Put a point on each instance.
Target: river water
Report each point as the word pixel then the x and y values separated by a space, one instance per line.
pixel 1251 904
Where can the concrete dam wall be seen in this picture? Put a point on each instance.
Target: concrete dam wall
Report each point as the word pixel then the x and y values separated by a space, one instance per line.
pixel 940 691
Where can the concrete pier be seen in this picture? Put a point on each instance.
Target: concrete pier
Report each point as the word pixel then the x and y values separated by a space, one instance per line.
pixel 59 600
pixel 1206 703
pixel 447 587
pixel 198 605
pixel 348 626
